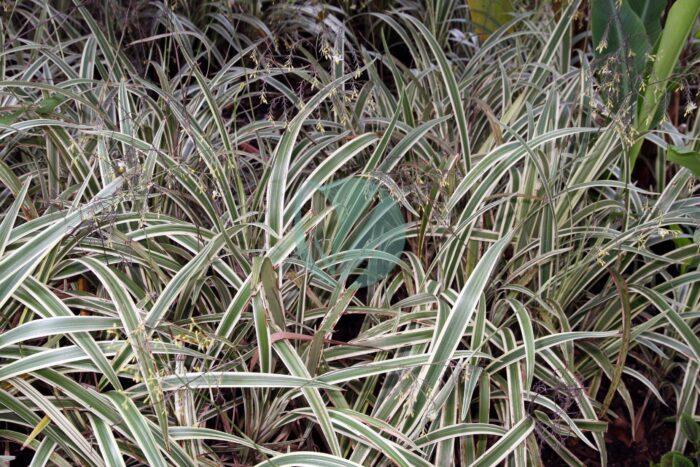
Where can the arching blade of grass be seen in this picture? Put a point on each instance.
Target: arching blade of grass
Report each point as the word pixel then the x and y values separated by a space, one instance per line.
pixel 516 406
pixel 28 416
pixel 507 444
pixel 686 332
pixel 460 316
pixel 319 459
pixel 57 325
pixel 453 91
pixel 41 457
pixel 528 340
pixel 43 302
pixel 277 254
pixel 178 283
pixel 183 214
pixel 296 367
pixel 189 433
pixel 136 330
pixel 325 171
pixel 462 429
pixel 108 444
pixel 138 427
pixel 238 379
pixel 62 422
pixel 277 185
pixel 19 262
pixel 11 215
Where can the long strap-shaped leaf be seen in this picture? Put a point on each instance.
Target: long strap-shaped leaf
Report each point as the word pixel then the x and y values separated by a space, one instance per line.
pixel 181 279
pixel 38 298
pixel 276 255
pixel 542 343
pixel 324 171
pixel 17 265
pixel 453 330
pixel 11 215
pixel 41 457
pixel 507 444
pixel 53 326
pixel 136 332
pixel 57 417
pixel 689 336
pixel 107 443
pixel 516 406
pixel 138 427
pixel 458 430
pixel 296 366
pixel 452 90
pixel 277 185
pixel 230 379
pixel 307 459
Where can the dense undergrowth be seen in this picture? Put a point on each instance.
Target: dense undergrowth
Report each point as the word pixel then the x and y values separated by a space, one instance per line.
pixel 339 234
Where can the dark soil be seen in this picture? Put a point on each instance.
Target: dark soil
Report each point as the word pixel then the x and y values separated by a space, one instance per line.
pixel 652 437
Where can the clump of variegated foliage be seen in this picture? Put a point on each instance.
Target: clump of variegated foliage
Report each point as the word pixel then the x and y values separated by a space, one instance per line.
pixel 180 286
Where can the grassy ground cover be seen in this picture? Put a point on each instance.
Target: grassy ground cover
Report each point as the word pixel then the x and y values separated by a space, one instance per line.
pixel 377 233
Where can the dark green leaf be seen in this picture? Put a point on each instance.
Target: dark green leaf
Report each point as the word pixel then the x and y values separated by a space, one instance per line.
pixel 686 158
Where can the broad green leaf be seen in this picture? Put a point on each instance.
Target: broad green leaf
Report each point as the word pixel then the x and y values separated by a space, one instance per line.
pixel 650 12
pixel 685 157
pixel 487 16
pixel 679 23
